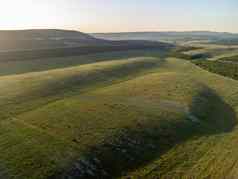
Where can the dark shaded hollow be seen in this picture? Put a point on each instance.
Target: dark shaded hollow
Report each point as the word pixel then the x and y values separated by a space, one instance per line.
pixel 135 147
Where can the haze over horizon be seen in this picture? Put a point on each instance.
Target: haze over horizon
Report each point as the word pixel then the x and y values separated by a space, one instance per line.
pixel 120 16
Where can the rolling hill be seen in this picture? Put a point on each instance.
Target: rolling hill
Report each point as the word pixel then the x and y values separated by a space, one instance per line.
pixel 40 44
pixel 47 39
pixel 127 114
pixel 44 39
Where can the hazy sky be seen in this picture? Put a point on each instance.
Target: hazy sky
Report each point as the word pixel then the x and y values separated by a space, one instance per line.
pixel 120 15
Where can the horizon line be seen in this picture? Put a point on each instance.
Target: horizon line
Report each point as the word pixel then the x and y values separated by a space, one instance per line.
pixel 111 32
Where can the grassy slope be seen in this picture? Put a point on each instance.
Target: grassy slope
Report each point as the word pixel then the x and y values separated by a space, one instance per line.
pixel 210 155
pixel 144 116
pixel 228 69
pixel 229 54
pixel 25 66
pixel 232 58
pixel 23 93
pixel 211 51
pixel 18 92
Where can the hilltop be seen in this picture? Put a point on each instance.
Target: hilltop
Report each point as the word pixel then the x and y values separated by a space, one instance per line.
pixel 35 44
pixel 41 39
pixel 44 39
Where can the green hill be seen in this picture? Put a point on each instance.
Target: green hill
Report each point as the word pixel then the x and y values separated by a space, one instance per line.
pixel 142 117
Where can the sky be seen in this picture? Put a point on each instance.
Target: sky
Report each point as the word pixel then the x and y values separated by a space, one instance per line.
pixel 120 15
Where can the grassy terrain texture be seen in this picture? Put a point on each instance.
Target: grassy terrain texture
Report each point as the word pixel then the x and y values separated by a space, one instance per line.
pixel 134 114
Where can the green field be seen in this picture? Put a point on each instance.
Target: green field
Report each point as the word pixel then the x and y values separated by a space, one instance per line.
pixel 231 58
pixel 127 114
pixel 211 51
pixel 225 68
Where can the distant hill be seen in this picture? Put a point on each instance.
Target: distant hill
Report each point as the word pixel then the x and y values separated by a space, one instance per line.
pixel 169 36
pixel 12 40
pixel 42 34
pixel 44 39
pixel 32 44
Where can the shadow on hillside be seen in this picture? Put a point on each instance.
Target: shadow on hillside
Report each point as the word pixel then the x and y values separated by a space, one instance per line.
pixel 146 141
pixel 213 112
pixel 58 85
pixel 45 64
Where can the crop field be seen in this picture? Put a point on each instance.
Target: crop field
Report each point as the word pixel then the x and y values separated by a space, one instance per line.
pixel 136 114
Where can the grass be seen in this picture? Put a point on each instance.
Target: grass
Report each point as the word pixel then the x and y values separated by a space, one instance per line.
pixel 42 88
pixel 143 117
pixel 206 51
pixel 44 64
pixel 220 67
pixel 189 53
pixel 228 54
pixel 206 153
pixel 233 58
